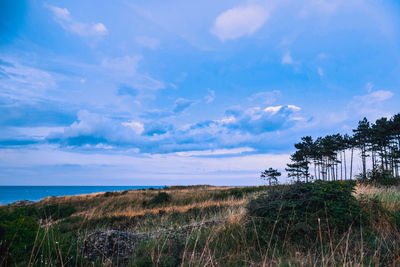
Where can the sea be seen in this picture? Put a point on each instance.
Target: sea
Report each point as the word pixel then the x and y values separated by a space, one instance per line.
pixel 10 194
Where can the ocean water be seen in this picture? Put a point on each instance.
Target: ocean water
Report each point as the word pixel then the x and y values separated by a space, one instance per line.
pixel 9 194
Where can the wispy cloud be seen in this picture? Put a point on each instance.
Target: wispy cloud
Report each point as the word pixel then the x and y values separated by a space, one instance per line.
pixel 370 105
pixel 122 66
pixel 265 98
pixel 181 104
pixel 375 97
pixel 63 17
pixel 210 97
pixel 124 69
pixel 320 71
pixel 95 168
pixel 24 82
pixel 152 43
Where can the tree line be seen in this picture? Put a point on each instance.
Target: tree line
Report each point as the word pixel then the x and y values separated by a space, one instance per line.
pixel 326 158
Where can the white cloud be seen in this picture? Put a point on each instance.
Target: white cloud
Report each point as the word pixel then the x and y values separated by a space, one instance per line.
pixel 216 152
pixel 370 105
pixel 293 108
pixel 60 12
pixel 273 109
pixel 287 59
pixel 149 42
pixel 325 7
pixel 210 98
pixel 100 28
pixel 165 169
pixel 68 23
pixel 376 97
pixel 239 128
pixel 369 86
pixel 259 121
pixel 181 104
pixel 239 21
pixel 320 71
pixel 92 129
pixel 25 82
pixel 137 127
pixel 124 70
pixel 125 66
pixel 264 98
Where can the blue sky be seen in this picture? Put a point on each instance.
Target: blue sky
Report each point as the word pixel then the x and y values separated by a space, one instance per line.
pixel 182 92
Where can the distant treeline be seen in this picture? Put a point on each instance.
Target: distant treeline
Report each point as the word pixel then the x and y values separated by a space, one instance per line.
pixel 325 157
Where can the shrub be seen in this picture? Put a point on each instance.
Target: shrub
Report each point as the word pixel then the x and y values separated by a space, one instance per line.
pixel 299 211
pixel 159 199
pixel 236 193
pixel 18 238
pixel 381 177
pixel 55 211
pixel 109 194
pixel 167 250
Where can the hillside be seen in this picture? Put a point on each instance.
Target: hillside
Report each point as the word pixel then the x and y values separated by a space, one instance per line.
pixel 205 225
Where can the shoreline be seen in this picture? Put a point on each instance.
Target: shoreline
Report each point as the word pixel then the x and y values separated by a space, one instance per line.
pixel 96 193
pixel 39 193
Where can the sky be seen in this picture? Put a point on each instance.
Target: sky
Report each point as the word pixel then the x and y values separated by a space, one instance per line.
pixel 134 92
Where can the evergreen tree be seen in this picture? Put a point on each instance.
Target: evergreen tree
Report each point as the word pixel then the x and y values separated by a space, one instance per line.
pixel 361 141
pixel 271 175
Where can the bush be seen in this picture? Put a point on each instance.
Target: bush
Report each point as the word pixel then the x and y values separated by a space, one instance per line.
pixel 55 211
pixel 236 193
pixel 159 199
pixel 17 238
pixel 109 194
pixel 299 211
pixel 168 250
pixel 381 177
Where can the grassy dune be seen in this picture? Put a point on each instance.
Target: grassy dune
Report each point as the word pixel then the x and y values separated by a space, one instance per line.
pixel 134 210
pixel 236 241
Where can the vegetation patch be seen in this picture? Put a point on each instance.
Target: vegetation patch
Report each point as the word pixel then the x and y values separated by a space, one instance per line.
pixel 301 211
pixel 237 193
pixel 159 199
pixel 55 211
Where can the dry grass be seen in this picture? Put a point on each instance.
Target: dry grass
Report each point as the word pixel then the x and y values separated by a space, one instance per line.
pixel 131 203
pixel 184 208
pixel 389 197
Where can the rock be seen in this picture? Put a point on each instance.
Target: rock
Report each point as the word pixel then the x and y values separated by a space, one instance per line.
pixel 112 246
pixel 117 247
pixel 22 203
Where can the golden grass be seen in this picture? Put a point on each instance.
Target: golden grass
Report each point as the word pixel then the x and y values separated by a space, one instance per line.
pixel 131 203
pixel 389 197
pixel 129 212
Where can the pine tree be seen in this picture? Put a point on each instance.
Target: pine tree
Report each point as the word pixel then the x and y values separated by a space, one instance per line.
pixel 362 139
pixel 271 175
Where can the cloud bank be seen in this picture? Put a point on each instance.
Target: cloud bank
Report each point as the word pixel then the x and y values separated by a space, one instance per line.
pixel 238 128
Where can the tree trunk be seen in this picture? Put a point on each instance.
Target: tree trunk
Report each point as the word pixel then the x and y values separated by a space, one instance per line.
pixel 315 170
pixel 341 165
pixel 351 164
pixel 345 165
pixel 364 162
